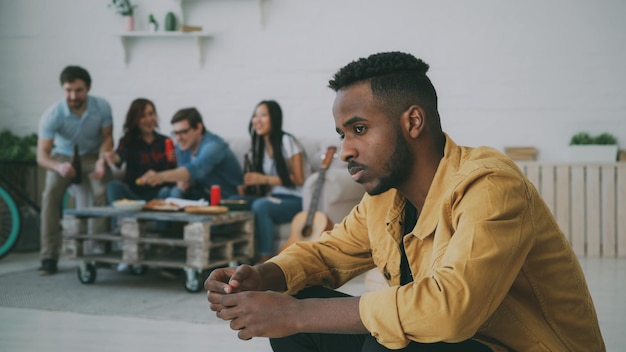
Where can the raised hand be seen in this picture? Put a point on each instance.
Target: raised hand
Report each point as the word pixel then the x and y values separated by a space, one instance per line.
pixel 66 170
pixel 99 170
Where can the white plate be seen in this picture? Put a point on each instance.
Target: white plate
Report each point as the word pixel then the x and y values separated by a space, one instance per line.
pixel 129 205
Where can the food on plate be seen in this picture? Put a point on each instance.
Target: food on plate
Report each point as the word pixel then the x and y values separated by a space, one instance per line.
pixel 161 204
pixel 126 201
pixel 129 204
pixel 206 209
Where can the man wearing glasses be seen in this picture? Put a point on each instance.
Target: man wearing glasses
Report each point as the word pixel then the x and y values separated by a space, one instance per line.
pixel 204 160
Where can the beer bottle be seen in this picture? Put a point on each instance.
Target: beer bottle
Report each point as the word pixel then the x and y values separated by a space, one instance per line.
pixel 253 190
pixel 77 166
pixel 247 167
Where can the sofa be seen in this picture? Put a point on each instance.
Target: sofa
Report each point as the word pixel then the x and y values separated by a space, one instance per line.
pixel 338 194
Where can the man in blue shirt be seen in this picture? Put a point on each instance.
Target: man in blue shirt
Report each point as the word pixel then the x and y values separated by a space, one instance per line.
pixel 80 120
pixel 204 159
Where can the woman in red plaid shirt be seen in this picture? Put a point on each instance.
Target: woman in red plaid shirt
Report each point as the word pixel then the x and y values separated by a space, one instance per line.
pixel 141 149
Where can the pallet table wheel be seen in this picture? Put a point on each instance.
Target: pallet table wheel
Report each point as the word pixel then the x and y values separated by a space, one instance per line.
pixel 86 272
pixel 192 280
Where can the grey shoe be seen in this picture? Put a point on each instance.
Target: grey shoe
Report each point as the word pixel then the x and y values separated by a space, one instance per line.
pixel 121 267
pixel 48 267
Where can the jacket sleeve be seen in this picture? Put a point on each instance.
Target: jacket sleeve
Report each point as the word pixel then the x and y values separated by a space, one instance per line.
pixel 483 234
pixel 208 157
pixel 340 255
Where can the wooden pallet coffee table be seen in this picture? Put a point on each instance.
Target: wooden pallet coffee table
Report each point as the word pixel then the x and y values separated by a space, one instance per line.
pixel 193 242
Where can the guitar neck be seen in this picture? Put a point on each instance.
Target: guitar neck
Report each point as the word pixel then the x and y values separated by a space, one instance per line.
pixel 316 197
pixel 328 158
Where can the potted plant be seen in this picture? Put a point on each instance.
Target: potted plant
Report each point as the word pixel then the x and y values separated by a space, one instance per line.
pixel 15 148
pixel 586 148
pixel 127 10
pixel 17 157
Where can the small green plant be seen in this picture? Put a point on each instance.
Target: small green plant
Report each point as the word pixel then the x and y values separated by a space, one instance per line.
pixel 581 138
pixel 606 139
pixel 13 147
pixel 584 138
pixel 123 7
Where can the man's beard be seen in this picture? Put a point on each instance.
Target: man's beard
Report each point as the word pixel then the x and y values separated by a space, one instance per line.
pixel 76 105
pixel 397 166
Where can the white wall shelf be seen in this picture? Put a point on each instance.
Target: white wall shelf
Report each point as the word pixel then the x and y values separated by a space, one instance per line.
pixel 198 37
pixel 183 12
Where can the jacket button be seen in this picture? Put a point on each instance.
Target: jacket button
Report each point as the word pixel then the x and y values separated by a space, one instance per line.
pixel 387 275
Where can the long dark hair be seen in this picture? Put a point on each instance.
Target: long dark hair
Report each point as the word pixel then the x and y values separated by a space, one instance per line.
pixel 132 134
pixel 276 140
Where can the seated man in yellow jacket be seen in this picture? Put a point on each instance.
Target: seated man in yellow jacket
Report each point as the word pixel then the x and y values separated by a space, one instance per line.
pixel 473 257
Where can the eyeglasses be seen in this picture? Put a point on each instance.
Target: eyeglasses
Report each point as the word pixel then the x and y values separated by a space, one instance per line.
pixel 181 132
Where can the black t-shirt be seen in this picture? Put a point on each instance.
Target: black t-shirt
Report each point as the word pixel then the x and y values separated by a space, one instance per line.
pixel 410 219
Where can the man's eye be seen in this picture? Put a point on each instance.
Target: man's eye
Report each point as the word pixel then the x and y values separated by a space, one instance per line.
pixel 359 129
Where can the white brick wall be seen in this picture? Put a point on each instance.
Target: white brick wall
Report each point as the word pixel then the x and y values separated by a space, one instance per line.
pixel 507 73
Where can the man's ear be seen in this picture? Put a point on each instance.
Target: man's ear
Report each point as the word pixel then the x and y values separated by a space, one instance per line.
pixel 416 121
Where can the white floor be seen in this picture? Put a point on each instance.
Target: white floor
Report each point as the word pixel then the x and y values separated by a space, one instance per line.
pixel 56 331
pixel 50 331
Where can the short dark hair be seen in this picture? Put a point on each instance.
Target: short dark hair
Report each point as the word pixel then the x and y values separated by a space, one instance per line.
pixel 72 73
pixel 398 80
pixel 192 115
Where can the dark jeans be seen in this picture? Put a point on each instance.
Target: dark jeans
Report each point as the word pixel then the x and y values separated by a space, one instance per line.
pixel 194 192
pixel 118 189
pixel 315 342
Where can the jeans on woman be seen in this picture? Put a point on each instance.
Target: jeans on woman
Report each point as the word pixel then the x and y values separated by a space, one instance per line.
pixel 268 212
pixel 192 193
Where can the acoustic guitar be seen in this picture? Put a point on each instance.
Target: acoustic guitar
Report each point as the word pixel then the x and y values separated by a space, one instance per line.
pixel 309 225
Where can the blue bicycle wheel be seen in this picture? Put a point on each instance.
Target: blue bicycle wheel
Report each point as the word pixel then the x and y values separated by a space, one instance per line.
pixel 9 223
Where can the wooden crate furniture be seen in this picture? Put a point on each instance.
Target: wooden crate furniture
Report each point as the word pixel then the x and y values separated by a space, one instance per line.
pixel 192 242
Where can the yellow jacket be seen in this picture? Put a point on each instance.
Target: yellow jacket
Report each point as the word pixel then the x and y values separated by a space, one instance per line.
pixel 488 260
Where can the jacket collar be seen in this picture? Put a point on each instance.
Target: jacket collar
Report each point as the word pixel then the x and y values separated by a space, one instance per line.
pixel 429 217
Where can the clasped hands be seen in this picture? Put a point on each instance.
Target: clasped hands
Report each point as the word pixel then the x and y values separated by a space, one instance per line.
pixel 235 295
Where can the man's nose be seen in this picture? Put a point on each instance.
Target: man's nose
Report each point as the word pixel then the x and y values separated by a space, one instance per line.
pixel 348 151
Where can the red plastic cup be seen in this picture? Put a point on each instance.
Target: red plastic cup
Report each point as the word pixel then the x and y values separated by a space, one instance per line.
pixel 216 195
pixel 170 154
